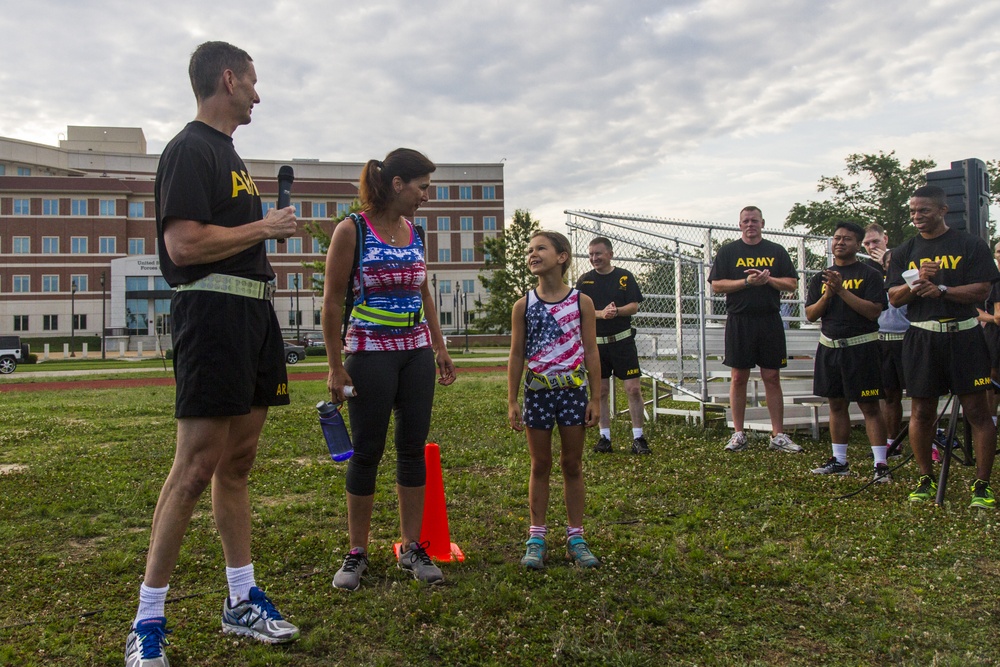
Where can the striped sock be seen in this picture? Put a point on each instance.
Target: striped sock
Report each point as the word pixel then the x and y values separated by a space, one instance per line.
pixel 574 532
pixel 538 531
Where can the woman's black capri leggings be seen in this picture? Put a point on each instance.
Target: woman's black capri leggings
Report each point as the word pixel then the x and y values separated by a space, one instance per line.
pixel 400 382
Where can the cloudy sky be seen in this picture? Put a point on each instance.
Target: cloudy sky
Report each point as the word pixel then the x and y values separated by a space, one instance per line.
pixel 673 108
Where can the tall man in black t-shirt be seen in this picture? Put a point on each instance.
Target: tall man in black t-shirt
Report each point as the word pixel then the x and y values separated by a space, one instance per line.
pixel 753 272
pixel 849 297
pixel 616 298
pixel 944 349
pixel 228 352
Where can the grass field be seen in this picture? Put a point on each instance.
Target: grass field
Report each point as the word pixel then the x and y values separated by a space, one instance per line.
pixel 709 558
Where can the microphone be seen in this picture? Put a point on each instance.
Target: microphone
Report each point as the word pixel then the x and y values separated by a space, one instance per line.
pixel 286 176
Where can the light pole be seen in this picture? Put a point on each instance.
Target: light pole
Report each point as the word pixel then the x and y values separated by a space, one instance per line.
pixel 72 320
pixel 104 306
pixel 298 311
pixel 465 317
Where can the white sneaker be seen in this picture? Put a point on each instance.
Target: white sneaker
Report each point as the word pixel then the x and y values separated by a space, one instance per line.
pixel 738 442
pixel 783 443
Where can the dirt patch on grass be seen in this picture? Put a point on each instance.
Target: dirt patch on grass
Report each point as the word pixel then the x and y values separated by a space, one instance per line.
pixel 11 468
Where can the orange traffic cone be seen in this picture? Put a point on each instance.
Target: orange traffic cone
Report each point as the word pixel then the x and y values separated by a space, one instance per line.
pixel 434 528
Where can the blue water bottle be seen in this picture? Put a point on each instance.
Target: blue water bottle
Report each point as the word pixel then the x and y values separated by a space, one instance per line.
pixel 338 440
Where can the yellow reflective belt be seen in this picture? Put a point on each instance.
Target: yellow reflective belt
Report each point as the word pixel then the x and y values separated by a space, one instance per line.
pixel 387 317
pixel 574 378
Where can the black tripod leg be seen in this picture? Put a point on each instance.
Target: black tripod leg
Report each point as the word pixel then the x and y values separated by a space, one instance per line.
pixel 945 450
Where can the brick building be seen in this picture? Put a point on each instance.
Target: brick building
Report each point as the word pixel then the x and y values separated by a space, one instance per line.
pixel 78 234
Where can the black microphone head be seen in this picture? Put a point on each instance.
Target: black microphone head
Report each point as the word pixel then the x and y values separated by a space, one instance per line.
pixel 286 173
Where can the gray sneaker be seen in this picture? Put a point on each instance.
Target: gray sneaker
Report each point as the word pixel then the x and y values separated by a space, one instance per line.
pixel 882 474
pixel 738 442
pixel 348 577
pixel 257 618
pixel 783 443
pixel 144 646
pixel 579 552
pixel 832 467
pixel 416 561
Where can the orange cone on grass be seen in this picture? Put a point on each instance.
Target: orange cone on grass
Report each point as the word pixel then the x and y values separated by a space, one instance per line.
pixel 434 528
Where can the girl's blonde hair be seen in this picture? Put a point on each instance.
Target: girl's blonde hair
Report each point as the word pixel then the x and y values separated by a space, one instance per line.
pixel 560 243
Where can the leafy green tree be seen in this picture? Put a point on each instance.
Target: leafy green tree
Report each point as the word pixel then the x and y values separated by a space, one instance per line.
pixel 505 275
pixel 318 231
pixel 877 189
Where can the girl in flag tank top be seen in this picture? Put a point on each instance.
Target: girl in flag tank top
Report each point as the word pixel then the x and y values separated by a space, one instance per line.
pixel 553 330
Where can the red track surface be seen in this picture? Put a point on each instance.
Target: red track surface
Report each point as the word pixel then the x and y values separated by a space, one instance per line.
pixel 125 383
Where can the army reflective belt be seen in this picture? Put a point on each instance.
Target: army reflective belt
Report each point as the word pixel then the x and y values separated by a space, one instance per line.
pixel 888 335
pixel 621 335
pixel 946 327
pixel 220 282
pixel 535 381
pixel 848 342
pixel 387 318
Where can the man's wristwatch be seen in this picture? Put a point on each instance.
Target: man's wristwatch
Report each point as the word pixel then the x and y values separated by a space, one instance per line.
pixel 944 289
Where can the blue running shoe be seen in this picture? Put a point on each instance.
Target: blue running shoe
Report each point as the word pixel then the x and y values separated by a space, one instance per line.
pixel 144 646
pixel 257 618
pixel 534 555
pixel 578 552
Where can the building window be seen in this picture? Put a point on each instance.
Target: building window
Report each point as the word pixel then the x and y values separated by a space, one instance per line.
pixel 3 169
pixel 107 245
pixel 468 255
pixel 317 280
pixel 50 207
pixel 445 287
pixel 469 286
pixel 108 207
pixel 271 246
pixel 444 223
pixel 465 223
pixel 295 281
pixel 490 222
pixel 50 245
pixel 81 282
pixel 295 318
pixel 24 171
pixel 267 206
pixel 489 192
pixel 446 318
pixel 294 245
pixel 343 210
pixel 78 207
pixel 420 221
pixel 22 284
pixel 160 284
pixel 50 322
pixel 20 321
pixel 465 192
pixel 136 284
pixel 137 246
pixel 317 318
pixel 137 316
pixel 22 245
pixel 487 256
pixel 443 192
pixel 50 283
pixel 22 207
pixel 317 247
pixel 136 209
pixel 79 322
pixel 78 245
pixel 444 254
pixel 319 209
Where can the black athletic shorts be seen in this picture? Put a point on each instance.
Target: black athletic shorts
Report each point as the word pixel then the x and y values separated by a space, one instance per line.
pixel 991 333
pixel 755 340
pixel 892 364
pixel 620 358
pixel 938 363
pixel 852 372
pixel 228 354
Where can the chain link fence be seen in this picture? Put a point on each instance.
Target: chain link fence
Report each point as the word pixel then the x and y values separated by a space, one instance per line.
pixel 671 260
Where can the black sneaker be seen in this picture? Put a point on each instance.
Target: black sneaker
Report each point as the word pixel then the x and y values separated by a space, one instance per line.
pixel 832 467
pixel 603 446
pixel 640 446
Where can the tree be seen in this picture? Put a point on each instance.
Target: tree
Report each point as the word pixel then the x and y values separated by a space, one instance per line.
pixel 505 275
pixel 877 189
pixel 318 231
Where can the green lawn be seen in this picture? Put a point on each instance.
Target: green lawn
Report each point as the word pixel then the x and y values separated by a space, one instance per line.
pixel 710 558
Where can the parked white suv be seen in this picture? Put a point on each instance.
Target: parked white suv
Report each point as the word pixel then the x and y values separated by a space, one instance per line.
pixel 10 353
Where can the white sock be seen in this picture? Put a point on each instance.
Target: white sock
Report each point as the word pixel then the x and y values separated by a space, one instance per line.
pixel 840 453
pixel 636 433
pixel 151 602
pixel 606 433
pixel 879 454
pixel 240 582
